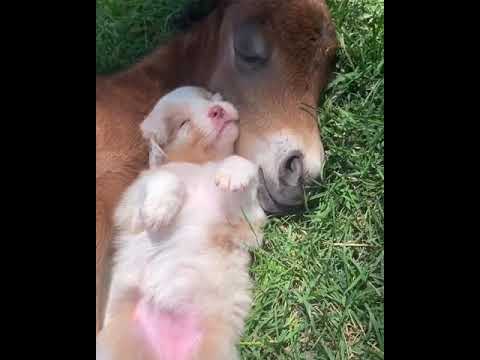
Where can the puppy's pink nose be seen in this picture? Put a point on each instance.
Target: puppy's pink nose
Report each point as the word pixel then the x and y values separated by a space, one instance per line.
pixel 217 115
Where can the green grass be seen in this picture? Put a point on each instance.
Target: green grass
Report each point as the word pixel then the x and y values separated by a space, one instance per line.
pixel 319 277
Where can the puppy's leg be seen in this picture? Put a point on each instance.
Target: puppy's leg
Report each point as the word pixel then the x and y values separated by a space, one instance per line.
pixel 121 340
pixel 164 197
pixel 131 256
pixel 218 342
pixel 235 174
pixel 103 255
pixel 102 353
pixel 119 288
pixel 152 202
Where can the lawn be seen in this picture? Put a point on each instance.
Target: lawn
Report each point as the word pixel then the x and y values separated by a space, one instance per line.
pixel 320 276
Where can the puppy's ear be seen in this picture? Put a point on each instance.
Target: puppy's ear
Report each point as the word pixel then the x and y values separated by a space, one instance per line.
pixel 156 154
pixel 157 125
pixel 217 97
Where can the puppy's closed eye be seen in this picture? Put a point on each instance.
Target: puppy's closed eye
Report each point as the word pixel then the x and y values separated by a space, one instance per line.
pixel 183 123
pixel 177 126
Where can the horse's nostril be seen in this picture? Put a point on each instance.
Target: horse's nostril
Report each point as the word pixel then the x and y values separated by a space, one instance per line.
pixel 291 169
pixel 287 195
pixel 293 164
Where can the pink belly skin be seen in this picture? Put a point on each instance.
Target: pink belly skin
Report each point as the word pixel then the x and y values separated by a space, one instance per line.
pixel 173 335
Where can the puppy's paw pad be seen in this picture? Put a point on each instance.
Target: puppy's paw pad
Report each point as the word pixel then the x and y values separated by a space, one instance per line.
pixel 236 174
pixel 223 181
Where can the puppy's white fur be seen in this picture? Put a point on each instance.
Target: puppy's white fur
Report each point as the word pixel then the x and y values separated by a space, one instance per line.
pixel 184 234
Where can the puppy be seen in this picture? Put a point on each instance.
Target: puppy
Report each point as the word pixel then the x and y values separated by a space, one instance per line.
pixel 180 287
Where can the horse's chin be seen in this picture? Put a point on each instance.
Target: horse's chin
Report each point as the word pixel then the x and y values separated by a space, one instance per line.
pixel 273 201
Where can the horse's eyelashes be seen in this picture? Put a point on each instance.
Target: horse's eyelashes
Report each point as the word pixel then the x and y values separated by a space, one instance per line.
pixel 251 59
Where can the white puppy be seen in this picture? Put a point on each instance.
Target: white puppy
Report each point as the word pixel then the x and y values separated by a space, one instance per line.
pixel 180 288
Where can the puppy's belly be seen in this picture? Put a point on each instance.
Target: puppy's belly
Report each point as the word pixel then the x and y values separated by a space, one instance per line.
pixel 171 334
pixel 141 331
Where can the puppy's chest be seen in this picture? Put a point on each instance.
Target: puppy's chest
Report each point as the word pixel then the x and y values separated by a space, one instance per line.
pixel 204 200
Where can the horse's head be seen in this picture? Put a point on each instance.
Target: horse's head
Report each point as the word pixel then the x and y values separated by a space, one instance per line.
pixel 272 58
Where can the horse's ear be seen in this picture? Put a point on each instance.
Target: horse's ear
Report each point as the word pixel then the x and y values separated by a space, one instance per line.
pixel 209 5
pixel 195 11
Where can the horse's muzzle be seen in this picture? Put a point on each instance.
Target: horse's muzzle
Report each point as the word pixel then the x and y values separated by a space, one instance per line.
pixel 286 195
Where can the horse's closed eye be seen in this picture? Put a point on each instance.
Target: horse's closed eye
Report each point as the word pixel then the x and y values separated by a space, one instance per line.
pixel 252 49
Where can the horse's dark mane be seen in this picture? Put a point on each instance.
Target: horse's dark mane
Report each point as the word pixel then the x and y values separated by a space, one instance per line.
pixel 194 11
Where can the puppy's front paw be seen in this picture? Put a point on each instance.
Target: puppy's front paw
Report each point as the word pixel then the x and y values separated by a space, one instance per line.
pixel 155 215
pixel 163 201
pixel 235 174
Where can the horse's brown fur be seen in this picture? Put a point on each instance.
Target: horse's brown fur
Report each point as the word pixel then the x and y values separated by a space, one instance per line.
pixel 304 42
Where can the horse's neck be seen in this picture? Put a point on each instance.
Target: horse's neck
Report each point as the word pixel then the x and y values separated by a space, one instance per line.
pixel 142 85
pixel 182 61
